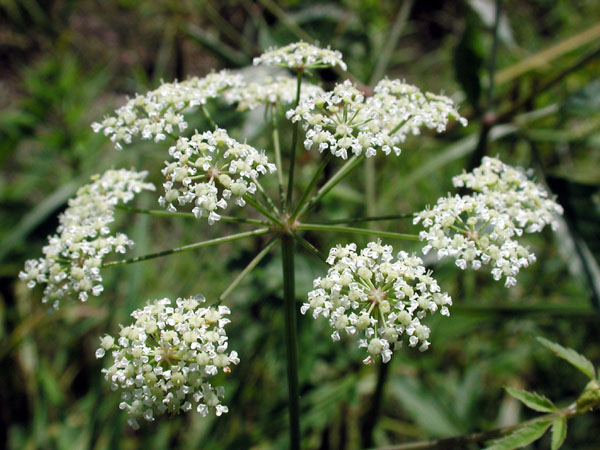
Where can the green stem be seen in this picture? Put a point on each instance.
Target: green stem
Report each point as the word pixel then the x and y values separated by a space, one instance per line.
pixel 312 184
pixel 287 248
pixel 161 213
pixel 331 183
pixel 309 247
pixel 251 265
pixel 363 231
pixel 368 219
pixel 277 148
pixel 290 187
pixel 370 419
pixel 465 439
pixel 261 209
pixel 208 117
pixel 185 248
pixel 265 196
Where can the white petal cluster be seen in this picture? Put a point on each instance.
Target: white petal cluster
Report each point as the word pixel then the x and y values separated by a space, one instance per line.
pixel 344 121
pixel 525 201
pixel 72 258
pixel 270 92
pixel 159 113
pixel 377 296
pixel 482 228
pixel 208 169
pixel 301 55
pixel 406 109
pixel 164 361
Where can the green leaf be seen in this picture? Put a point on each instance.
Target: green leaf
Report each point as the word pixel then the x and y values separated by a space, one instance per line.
pixel 570 355
pixel 521 436
pixel 532 400
pixel 559 432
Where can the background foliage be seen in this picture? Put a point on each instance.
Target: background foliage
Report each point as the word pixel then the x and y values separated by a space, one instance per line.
pixel 64 64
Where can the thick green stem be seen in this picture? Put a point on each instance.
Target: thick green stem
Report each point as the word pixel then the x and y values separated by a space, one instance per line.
pixel 185 248
pixel 372 414
pixel 161 213
pixel 291 337
pixel 331 183
pixel 251 265
pixel 312 184
pixel 290 187
pixel 363 231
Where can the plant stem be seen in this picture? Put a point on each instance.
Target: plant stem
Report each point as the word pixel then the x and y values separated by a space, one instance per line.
pixel 368 219
pixel 208 117
pixel 363 231
pixel 376 400
pixel 290 187
pixel 251 265
pixel 309 247
pixel 277 148
pixel 185 248
pixel 261 209
pixel 331 183
pixel 312 184
pixel 461 441
pixel 487 122
pixel 287 250
pixel 265 196
pixel 161 213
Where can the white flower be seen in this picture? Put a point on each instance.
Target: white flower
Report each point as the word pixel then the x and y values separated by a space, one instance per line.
pixel 378 297
pixel 72 258
pixel 406 109
pixel 482 228
pixel 270 92
pixel 210 168
pixel 528 203
pixel 160 112
pixel 164 361
pixel 301 55
pixel 343 121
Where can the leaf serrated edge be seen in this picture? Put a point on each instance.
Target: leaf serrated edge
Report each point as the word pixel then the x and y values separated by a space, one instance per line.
pixel 577 360
pixel 522 436
pixel 532 400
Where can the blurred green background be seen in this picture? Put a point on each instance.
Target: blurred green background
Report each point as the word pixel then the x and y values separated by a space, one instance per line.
pixel 64 64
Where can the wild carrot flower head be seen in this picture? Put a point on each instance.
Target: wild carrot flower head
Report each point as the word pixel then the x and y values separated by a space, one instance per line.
pixel 160 112
pixel 344 121
pixel 163 362
pixel 210 168
pixel 301 55
pixel 482 228
pixel 72 258
pixel 270 92
pixel 377 296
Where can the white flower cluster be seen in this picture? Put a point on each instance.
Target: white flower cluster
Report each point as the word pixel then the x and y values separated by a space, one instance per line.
pixel 301 55
pixel 160 112
pixel 270 92
pixel 206 162
pixel 163 362
pixel 482 228
pixel 343 121
pixel 407 109
pixel 73 257
pixel 378 296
